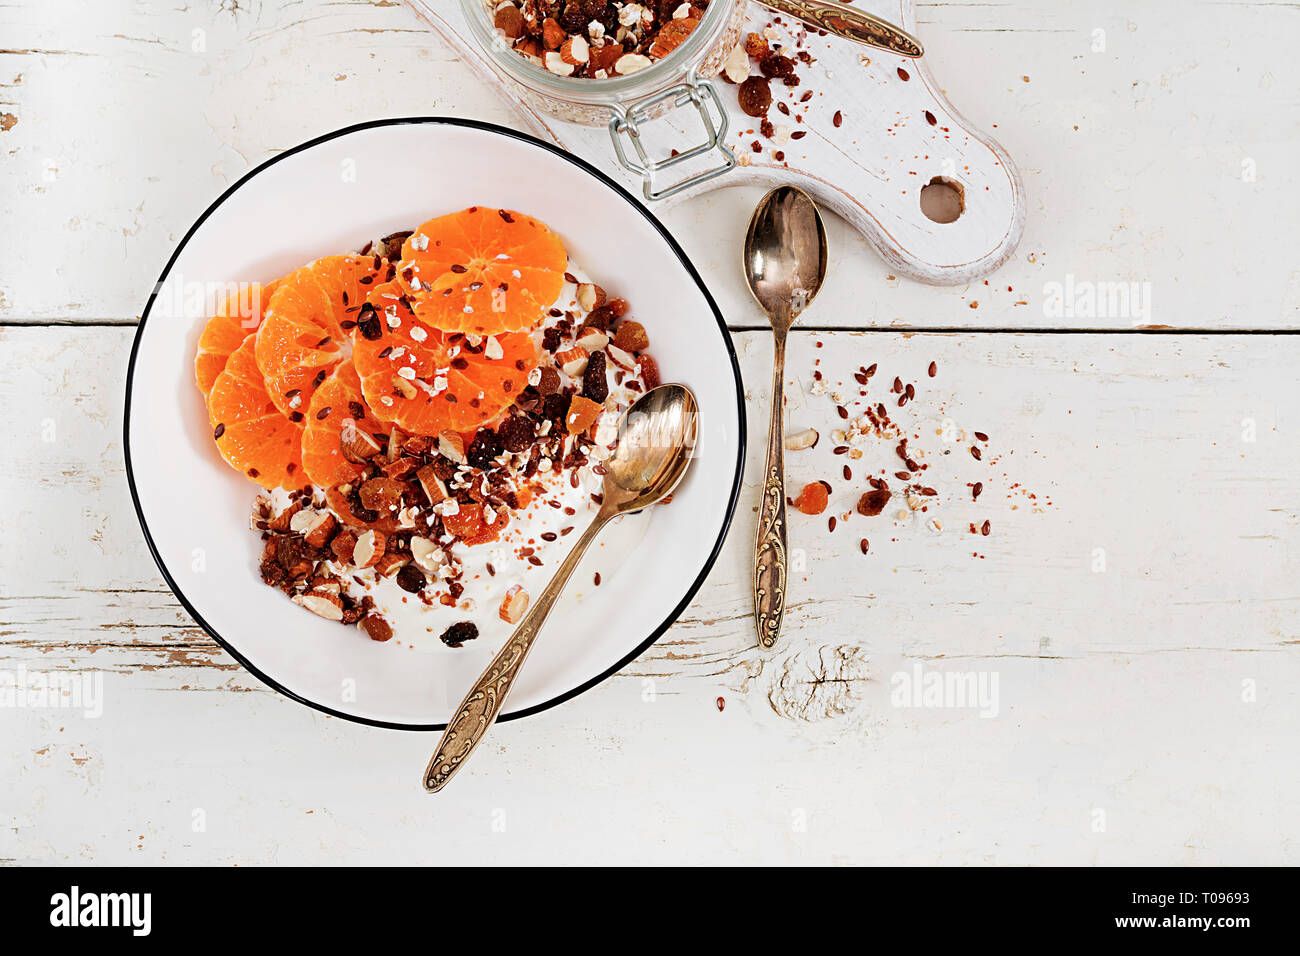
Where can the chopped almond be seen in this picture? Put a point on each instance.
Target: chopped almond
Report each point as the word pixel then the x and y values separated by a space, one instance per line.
pixel 573 361
pixel 513 605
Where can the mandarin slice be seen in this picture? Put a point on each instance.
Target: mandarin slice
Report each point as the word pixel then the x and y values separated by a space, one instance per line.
pixel 302 335
pixel 254 436
pixel 483 271
pixel 235 319
pixel 428 381
pixel 339 428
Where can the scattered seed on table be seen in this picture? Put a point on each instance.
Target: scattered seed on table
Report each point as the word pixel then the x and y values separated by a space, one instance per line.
pixel 934 369
pixel 976 489
pixel 848 473
pixel 831 523
pixel 865 545
pixel 981 436
pixel 975 453
pixel 986 528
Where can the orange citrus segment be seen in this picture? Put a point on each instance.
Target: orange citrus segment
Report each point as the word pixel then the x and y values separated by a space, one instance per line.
pixel 251 433
pixel 337 413
pixel 483 271
pixel 301 337
pixel 428 381
pixel 235 320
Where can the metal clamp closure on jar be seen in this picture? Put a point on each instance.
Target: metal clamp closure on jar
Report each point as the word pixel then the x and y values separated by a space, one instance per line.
pixel 625 126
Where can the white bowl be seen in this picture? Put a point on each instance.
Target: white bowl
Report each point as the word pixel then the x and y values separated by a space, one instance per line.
pixel 332 194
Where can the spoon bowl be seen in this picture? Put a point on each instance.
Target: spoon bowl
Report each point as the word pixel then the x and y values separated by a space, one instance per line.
pixel 656 438
pixel 655 441
pixel 785 254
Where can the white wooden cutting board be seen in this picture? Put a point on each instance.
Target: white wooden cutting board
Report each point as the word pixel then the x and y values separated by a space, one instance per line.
pixel 898 133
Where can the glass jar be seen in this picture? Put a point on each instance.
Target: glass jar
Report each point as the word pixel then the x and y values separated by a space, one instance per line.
pixel 680 81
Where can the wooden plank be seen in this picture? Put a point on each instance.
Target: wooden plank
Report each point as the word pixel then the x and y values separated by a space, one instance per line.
pixel 1112 96
pixel 1164 677
pixel 1166 454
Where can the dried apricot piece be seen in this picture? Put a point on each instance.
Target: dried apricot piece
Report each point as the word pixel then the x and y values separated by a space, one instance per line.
pixel 582 414
pixel 812 500
pixel 468 524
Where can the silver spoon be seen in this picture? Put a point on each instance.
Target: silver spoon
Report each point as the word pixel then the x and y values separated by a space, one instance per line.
pixel 785 263
pixel 655 443
pixel 844 21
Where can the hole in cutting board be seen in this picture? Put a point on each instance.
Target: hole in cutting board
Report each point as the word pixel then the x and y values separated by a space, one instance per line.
pixel 943 200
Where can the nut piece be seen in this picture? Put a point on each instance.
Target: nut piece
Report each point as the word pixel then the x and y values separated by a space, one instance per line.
pixel 575 50
pixel 593 340
pixel 434 487
pixel 620 358
pixel 630 63
pixel 284 520
pixel 553 34
pixel 736 66
pixel 300 521
pixel 370 547
pixel 805 438
pixel 555 62
pixel 319 529
pixel 404 388
pixel 426 554
pixel 573 361
pixel 510 21
pixel 358 444
pixel 588 297
pixel 390 564
pixel 451 445
pixel 323 603
pixel 514 605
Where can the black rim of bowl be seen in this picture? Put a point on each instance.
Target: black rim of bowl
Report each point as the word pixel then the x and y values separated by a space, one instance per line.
pixel 598 176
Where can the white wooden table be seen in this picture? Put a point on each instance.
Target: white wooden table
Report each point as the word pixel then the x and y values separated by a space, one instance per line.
pixel 1143 629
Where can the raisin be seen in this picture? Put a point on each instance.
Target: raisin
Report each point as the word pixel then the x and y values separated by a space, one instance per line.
pixel 755 96
pixel 549 382
pixel 556 407
pixel 551 339
pixel 458 634
pixel 600 318
pixel 873 502
pixel 775 65
pixel 411 579
pixel 376 628
pixel 594 384
pixel 649 371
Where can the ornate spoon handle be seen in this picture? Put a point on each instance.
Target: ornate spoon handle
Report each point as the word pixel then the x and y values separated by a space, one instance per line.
pixel 844 21
pixel 470 723
pixel 770 568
